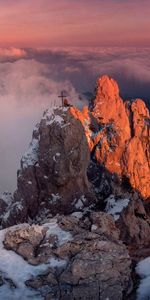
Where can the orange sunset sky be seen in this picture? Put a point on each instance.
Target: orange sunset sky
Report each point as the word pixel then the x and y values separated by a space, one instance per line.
pixel 46 23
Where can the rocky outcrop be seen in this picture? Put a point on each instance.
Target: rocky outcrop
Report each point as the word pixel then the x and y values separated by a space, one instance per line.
pixel 84 257
pixel 118 134
pixel 53 178
pixel 91 171
pixel 53 171
pixel 131 219
pixel 124 147
pixel 108 107
pixel 5 201
pixel 136 157
pixel 24 240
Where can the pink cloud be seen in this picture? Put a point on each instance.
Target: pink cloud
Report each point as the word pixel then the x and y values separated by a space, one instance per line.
pixel 71 23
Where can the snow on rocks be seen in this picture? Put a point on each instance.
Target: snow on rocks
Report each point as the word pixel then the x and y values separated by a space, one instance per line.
pixel 17 206
pixel 5 201
pixel 77 214
pixel 114 206
pixel 15 268
pixel 58 156
pixel 80 202
pixel 22 239
pixel 54 229
pixel 31 155
pixel 51 116
pixel 143 270
pixel 67 254
pixel 54 198
pixel 6 197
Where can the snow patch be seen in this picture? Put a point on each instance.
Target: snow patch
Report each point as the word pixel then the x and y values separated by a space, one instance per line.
pixel 93 227
pixel 80 203
pixel 56 156
pixel 31 155
pixel 114 206
pixel 15 268
pixel 6 197
pixel 143 270
pixel 54 229
pixel 77 214
pixel 17 205
pixel 54 198
pixel 51 116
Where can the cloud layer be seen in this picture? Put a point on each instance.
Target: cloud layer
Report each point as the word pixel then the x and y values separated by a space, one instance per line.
pixel 31 80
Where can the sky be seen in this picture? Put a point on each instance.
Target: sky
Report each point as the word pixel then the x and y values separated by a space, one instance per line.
pixel 47 23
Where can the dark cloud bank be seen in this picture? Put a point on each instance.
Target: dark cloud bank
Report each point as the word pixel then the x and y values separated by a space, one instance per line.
pixel 31 79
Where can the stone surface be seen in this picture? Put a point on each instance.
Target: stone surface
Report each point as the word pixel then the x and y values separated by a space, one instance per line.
pixel 78 165
pixel 92 264
pixel 134 223
pixel 118 134
pixel 5 200
pixel 136 157
pixel 25 240
pixel 53 175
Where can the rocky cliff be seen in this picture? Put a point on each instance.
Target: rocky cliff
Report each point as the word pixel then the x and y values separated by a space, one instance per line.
pixel 118 134
pixel 81 203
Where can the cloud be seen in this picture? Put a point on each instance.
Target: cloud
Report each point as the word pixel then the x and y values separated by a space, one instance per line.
pixel 31 80
pixel 6 53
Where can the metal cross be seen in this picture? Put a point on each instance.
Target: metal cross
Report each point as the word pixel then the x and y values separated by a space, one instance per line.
pixel 62 96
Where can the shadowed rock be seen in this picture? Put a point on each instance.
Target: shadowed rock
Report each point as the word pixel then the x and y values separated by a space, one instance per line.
pixel 53 171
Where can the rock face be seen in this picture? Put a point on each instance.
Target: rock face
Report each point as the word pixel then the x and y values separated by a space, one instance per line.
pixel 118 134
pixel 126 146
pixel 5 201
pixel 91 170
pixel 109 108
pixel 25 240
pixel 137 153
pixel 77 251
pixel 53 170
pixel 131 219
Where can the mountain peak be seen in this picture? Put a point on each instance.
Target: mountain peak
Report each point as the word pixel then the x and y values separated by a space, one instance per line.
pixel 107 87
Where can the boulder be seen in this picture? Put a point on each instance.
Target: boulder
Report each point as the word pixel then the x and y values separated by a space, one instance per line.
pixel 86 261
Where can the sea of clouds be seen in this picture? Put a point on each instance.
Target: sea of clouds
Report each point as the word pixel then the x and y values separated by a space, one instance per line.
pixel 32 79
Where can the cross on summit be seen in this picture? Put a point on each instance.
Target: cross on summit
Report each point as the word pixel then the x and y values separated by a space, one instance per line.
pixel 62 96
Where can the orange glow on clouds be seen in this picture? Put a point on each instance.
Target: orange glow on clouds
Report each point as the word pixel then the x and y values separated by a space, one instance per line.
pixel 74 23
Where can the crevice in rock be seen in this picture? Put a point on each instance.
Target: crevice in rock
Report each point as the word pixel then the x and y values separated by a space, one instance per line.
pixel 37 183
pixel 131 120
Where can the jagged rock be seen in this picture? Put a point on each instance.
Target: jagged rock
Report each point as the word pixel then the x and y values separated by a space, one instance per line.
pixel 83 262
pixel 108 107
pixel 53 176
pixel 53 171
pixel 5 200
pixel 24 240
pixel 136 156
pixel 15 213
pixel 118 134
pixel 131 219
pixel 80 253
pixel 104 224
